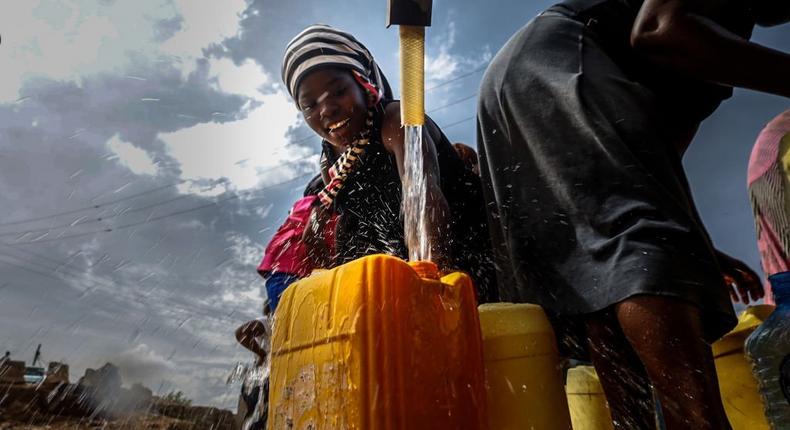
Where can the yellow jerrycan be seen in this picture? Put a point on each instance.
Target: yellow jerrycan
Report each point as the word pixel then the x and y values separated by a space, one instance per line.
pixel 586 400
pixel 523 374
pixel 738 387
pixel 377 343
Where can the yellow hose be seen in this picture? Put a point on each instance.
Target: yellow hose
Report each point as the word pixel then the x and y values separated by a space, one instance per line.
pixel 412 72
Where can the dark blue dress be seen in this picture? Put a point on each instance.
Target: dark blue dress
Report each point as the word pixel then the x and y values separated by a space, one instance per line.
pixel 578 139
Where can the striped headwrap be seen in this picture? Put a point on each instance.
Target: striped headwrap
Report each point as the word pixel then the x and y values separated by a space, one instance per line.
pixel 321 46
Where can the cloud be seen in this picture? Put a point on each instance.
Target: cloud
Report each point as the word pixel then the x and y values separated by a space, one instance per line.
pixel 136 159
pixel 444 64
pixel 75 121
pixel 64 40
pixel 246 79
pixel 247 152
pixel 204 22
pixel 166 28
pixel 264 30
pixel 240 285
pixel 88 146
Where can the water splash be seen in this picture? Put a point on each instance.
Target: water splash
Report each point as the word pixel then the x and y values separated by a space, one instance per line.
pixel 415 217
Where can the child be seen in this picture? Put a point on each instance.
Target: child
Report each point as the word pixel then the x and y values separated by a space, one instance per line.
pixel 346 100
pixel 286 258
pixel 256 336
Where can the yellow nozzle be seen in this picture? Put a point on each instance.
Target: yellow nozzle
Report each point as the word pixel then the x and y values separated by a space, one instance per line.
pixel 412 72
pixel 425 269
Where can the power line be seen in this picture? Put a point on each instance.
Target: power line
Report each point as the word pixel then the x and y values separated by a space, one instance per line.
pixel 457 78
pixel 189 308
pixel 454 102
pixel 125 226
pixel 96 206
pixel 151 206
pixel 140 209
pixel 157 218
pixel 94 220
pixel 453 124
pixel 47 275
pixel 153 190
pixel 100 219
pixel 178 307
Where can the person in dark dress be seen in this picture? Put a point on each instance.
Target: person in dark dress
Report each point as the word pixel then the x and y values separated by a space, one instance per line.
pixel 346 100
pixel 584 116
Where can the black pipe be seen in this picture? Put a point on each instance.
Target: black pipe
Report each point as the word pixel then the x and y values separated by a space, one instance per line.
pixel 409 12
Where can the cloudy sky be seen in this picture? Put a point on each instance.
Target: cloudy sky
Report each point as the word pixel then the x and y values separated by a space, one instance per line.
pixel 148 151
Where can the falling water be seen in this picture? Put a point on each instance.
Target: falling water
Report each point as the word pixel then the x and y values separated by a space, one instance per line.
pixel 253 378
pixel 415 217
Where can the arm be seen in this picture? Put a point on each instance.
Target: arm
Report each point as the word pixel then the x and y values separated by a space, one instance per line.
pixel 436 205
pixel 674 33
pixel 740 279
pixel 247 335
pixel 314 238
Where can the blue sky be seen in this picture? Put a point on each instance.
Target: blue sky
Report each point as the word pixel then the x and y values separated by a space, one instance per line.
pixel 165 122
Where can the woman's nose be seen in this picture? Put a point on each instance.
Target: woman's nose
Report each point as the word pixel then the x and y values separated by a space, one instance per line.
pixel 327 108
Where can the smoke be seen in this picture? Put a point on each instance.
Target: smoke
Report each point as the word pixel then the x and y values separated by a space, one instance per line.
pixel 142 364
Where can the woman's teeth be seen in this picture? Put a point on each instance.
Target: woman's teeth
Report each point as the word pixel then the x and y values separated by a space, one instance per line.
pixel 338 124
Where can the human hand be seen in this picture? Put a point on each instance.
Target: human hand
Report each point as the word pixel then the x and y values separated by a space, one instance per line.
pixel 741 280
pixel 260 361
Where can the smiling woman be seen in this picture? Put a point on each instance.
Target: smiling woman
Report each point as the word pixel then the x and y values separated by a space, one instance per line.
pixel 339 111
pixel 346 100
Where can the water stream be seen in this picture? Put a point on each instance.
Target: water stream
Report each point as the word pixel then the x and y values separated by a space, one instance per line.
pixel 415 216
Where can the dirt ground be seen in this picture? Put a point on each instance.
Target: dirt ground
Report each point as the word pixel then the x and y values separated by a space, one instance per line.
pixel 31 408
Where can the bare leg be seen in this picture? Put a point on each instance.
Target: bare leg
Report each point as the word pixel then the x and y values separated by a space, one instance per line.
pixel 622 374
pixel 666 334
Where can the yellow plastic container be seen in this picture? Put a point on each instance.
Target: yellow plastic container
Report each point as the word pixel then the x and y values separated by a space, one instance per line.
pixel 372 345
pixel 523 374
pixel 738 387
pixel 586 400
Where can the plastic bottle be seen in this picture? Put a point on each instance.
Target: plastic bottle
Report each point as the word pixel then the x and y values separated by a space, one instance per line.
pixel 768 349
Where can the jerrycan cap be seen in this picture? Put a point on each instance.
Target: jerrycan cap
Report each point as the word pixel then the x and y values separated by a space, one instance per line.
pixel 425 269
pixel 748 320
pixel 753 316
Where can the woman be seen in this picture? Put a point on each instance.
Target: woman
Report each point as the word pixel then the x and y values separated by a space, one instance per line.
pixel 347 101
pixel 584 115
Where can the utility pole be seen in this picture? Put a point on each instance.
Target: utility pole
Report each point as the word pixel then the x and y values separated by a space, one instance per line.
pixel 37 356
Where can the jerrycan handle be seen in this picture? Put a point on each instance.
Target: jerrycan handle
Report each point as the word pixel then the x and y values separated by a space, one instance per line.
pixel 425 269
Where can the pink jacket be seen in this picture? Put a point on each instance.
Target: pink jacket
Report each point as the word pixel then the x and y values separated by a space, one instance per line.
pixel 285 252
pixel 769 191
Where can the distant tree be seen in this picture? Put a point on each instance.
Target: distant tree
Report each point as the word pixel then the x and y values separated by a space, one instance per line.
pixel 178 398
